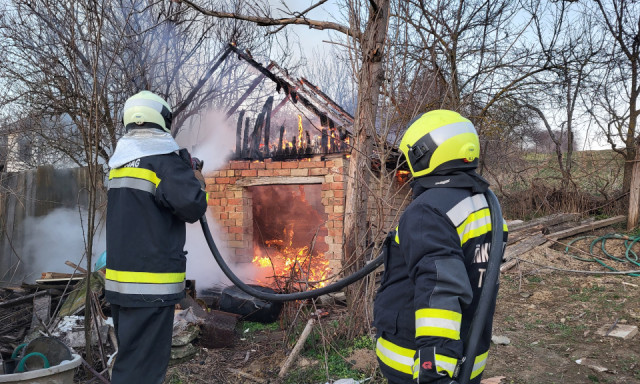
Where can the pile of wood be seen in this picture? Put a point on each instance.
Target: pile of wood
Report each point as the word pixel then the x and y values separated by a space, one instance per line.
pixel 525 236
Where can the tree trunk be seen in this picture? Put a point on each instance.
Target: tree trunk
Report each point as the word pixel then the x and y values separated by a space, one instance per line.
pixel 355 218
pixel 634 193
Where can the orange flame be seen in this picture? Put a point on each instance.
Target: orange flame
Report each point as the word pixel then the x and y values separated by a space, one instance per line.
pixel 299 131
pixel 283 263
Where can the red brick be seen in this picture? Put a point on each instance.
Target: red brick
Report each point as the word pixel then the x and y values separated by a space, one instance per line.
pixel 234 201
pixel 338 186
pixel 282 172
pixel 312 164
pixel 249 173
pixel 290 164
pixel 235 215
pixel 223 216
pixel 265 172
pixel 222 180
pixel 338 193
pixel 338 178
pixel 328 164
pixel 235 230
pixel 229 194
pixel 239 165
pixel 325 187
pixel 318 171
pixel 216 195
pixel 257 165
pixel 214 201
pixel 276 165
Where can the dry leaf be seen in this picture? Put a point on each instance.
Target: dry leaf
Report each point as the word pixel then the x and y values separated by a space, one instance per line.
pixel 493 380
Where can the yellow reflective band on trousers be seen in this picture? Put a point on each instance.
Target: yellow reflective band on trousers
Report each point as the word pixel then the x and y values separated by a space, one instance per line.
pixel 479 364
pixel 145 277
pixel 401 359
pixel 395 356
pixel 438 322
pixel 138 173
pixel 443 364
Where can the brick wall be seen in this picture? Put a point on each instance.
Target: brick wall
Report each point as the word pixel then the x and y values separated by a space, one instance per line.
pixel 230 202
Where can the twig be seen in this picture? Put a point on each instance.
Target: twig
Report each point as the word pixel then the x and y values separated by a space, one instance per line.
pixel 247 376
pixel 95 373
pixel 297 348
pixel 612 327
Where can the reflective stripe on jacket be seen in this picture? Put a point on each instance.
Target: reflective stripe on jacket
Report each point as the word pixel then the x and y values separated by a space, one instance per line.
pixel 434 268
pixel 149 201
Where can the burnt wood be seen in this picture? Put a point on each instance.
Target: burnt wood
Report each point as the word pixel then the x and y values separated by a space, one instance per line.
pixel 255 137
pixel 239 135
pixel 280 149
pixel 245 142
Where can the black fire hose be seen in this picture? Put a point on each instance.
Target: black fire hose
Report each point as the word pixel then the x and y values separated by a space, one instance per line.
pixel 488 291
pixel 279 297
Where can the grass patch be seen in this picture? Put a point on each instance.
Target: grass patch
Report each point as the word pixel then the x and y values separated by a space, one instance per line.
pixel 332 365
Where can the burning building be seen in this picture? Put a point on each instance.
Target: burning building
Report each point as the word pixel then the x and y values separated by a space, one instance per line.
pixel 280 200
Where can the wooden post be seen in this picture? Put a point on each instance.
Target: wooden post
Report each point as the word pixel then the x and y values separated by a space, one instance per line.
pixel 255 136
pixel 245 142
pixel 267 123
pixel 634 193
pixel 280 149
pixel 239 135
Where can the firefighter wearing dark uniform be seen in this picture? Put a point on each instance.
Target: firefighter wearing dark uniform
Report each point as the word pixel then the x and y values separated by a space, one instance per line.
pixel 436 259
pixel 153 191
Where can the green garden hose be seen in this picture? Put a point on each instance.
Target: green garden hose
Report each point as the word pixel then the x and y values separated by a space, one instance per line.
pixel 630 256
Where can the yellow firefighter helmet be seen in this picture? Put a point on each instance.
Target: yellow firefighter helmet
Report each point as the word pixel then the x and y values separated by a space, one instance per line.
pixel 440 141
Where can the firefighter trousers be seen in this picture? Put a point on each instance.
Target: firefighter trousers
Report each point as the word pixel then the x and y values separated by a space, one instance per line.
pixel 144 343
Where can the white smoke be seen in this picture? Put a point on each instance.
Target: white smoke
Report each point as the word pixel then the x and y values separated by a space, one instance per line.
pixel 55 238
pixel 211 139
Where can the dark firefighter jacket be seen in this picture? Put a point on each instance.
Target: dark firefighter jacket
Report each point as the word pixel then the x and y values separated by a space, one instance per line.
pixel 434 268
pixel 149 201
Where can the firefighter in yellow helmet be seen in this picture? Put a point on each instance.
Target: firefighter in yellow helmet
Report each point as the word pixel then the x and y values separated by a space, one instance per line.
pixel 153 191
pixel 436 258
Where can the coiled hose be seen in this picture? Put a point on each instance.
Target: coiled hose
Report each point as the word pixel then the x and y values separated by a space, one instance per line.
pixel 630 256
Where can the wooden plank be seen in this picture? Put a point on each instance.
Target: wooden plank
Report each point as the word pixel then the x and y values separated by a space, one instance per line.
pixel 526 245
pixel 75 266
pixel 586 227
pixel 542 222
pixel 22 299
pixel 254 181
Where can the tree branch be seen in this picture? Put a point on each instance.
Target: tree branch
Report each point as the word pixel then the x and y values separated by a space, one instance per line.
pixel 268 21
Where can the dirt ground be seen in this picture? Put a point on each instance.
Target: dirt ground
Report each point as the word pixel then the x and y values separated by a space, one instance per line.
pixel 550 317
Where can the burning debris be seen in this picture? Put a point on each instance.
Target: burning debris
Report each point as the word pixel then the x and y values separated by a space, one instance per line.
pixel 324 131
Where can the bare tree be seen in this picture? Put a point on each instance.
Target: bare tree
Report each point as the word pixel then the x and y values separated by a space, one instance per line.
pixel 614 101
pixel 69 65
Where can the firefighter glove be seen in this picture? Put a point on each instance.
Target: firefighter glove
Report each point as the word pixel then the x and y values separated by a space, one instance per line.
pixel 426 369
pixel 200 178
